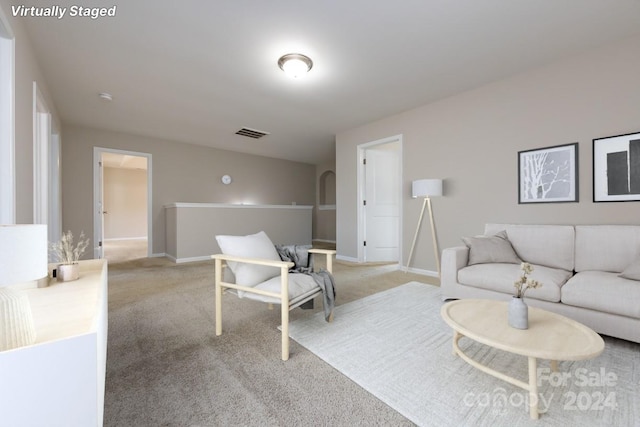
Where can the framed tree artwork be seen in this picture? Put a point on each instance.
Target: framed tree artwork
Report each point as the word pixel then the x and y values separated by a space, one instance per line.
pixel 548 175
pixel 616 168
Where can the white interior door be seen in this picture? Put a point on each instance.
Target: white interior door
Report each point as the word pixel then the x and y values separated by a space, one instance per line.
pixel 382 203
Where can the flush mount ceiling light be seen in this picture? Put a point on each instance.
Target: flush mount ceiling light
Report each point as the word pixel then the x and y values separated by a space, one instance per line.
pixel 295 64
pixel 105 96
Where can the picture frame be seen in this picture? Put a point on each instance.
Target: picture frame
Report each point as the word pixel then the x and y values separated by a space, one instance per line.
pixel 616 168
pixel 548 175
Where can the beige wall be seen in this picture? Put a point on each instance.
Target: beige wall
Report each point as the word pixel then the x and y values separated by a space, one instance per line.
pixel 472 140
pixel 180 173
pixel 125 200
pixel 27 71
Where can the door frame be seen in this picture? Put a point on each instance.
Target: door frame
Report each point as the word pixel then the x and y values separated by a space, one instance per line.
pixel 98 185
pixel 361 184
pixel 42 131
pixel 7 123
pixel 54 221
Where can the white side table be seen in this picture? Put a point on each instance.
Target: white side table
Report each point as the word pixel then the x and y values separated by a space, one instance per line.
pixel 60 379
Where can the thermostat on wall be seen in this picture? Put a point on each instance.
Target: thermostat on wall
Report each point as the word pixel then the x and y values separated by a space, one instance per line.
pixel 226 179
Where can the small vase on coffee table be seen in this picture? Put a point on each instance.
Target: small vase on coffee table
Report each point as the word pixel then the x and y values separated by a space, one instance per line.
pixel 518 313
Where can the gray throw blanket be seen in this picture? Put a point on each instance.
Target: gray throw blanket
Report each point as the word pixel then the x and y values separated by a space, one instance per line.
pixel 299 255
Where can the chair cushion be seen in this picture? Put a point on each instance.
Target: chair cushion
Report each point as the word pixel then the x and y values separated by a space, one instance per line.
pixel 300 286
pixel 252 246
pixel 488 249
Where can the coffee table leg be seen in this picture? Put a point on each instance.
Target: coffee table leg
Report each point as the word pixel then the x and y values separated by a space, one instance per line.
pixel 533 388
pixel 554 365
pixel 456 337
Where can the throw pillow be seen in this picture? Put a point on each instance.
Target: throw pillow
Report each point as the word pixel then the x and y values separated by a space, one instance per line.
pixel 632 272
pixel 252 246
pixel 488 249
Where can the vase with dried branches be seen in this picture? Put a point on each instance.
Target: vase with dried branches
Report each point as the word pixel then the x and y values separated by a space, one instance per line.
pixel 68 254
pixel 518 309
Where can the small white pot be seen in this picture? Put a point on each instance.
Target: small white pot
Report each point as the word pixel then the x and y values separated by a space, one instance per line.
pixel 68 272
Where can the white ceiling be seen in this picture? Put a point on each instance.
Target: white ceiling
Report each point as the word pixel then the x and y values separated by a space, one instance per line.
pixel 199 70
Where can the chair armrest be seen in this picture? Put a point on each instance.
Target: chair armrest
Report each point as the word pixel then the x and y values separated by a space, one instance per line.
pixel 284 267
pixel 257 261
pixel 322 251
pixel 329 254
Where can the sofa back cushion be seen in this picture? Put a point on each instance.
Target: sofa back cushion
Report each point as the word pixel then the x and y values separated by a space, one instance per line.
pixel 547 245
pixel 606 247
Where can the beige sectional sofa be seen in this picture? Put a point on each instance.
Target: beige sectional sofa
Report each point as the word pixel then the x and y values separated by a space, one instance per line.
pixel 590 273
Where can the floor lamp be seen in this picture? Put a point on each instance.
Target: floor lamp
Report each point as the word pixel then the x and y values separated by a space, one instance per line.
pixel 426 188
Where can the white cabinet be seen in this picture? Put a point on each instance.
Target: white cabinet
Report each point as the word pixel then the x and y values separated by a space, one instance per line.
pixel 60 379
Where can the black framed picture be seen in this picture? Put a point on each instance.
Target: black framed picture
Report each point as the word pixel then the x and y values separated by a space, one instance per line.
pixel 616 168
pixel 548 175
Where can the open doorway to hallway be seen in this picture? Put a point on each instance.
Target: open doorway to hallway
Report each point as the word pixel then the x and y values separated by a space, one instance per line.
pixel 125 207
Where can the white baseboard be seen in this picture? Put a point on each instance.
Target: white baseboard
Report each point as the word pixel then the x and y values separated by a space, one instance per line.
pixel 159 255
pixel 126 238
pixel 420 271
pixel 346 258
pixel 191 259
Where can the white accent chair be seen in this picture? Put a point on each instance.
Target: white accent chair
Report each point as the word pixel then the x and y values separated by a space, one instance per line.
pixel 259 274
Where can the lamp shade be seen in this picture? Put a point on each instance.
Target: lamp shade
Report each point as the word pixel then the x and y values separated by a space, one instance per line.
pixel 23 253
pixel 426 188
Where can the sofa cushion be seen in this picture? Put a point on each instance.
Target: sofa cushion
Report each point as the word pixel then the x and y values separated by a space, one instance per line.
pixel 606 247
pixel 489 249
pixel 603 291
pixel 501 278
pixel 252 246
pixel 548 245
pixel 632 272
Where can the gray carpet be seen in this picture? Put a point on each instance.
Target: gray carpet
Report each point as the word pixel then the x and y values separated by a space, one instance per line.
pixel 395 345
pixel 166 367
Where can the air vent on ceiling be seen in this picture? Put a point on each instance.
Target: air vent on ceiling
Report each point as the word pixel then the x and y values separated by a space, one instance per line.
pixel 252 133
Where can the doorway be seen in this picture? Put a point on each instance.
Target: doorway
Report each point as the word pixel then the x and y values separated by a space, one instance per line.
pixel 380 201
pixel 122 200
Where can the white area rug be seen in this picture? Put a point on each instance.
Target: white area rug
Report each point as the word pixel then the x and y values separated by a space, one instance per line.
pixel 396 346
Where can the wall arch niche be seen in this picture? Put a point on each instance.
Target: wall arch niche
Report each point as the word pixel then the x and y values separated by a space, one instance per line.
pixel 327 190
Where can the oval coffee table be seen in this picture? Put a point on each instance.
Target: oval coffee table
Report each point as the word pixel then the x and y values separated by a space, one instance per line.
pixel 550 336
